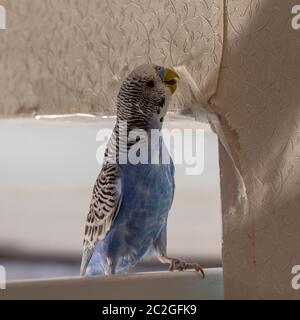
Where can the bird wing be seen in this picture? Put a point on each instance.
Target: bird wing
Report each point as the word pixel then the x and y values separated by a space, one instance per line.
pixel 104 208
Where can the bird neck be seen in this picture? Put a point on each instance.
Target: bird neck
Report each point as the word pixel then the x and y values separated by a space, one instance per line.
pixel 125 135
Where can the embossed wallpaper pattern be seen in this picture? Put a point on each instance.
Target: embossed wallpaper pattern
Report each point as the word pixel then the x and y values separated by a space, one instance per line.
pixel 258 105
pixel 66 56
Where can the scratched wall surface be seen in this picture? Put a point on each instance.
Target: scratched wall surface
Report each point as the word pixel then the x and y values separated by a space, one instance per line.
pixel 257 103
pixel 67 56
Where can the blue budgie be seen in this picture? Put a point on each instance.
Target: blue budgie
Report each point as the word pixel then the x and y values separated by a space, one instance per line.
pixel 131 201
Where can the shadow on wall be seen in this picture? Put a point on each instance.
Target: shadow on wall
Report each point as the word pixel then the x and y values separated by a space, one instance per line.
pixel 258 100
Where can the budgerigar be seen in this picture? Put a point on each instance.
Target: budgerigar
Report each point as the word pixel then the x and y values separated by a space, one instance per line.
pixel 131 201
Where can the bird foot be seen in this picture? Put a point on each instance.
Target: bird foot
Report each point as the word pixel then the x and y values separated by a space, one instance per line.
pixel 181 265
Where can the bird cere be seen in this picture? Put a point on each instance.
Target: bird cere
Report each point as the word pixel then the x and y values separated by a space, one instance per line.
pixel 128 214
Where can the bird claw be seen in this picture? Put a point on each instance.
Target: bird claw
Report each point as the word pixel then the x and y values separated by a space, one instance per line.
pixel 182 265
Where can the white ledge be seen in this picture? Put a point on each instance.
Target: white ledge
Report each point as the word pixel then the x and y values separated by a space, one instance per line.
pixel 139 286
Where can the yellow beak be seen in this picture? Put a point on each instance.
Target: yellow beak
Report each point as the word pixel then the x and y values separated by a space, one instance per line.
pixel 170 79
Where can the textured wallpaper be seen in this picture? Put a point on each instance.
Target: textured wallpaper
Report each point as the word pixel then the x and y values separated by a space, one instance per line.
pixel 67 56
pixel 258 107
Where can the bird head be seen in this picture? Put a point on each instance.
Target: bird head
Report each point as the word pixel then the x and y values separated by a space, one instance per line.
pixel 145 95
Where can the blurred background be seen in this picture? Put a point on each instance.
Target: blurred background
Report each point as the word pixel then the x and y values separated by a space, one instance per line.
pixel 75 64
pixel 47 171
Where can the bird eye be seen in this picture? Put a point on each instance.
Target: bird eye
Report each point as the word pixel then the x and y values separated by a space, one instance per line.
pixel 150 83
